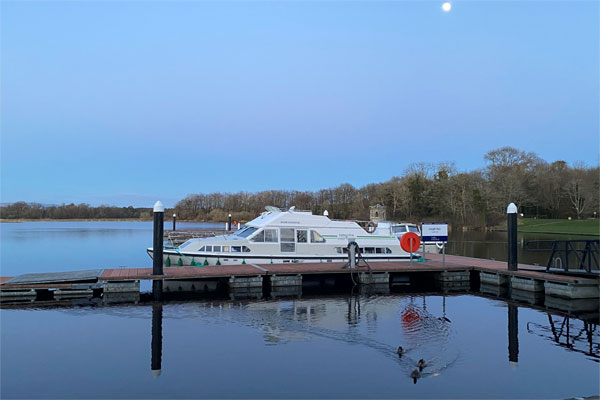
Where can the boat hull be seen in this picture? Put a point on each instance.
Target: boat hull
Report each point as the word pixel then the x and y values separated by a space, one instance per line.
pixel 175 258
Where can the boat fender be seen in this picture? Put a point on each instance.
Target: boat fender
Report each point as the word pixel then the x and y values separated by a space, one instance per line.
pixel 168 262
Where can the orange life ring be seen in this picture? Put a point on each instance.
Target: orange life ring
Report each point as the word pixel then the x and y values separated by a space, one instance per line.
pixel 405 242
pixel 371 227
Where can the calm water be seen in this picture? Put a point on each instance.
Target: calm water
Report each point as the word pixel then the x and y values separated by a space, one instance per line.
pixel 341 347
pixel 327 347
pixel 493 245
pixel 68 246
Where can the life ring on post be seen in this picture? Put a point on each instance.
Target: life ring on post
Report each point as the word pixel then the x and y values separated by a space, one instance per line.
pixel 371 227
pixel 408 239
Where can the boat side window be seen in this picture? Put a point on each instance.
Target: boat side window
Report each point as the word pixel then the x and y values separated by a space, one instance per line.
pixel 208 248
pixel 201 248
pixel 226 249
pixel 217 249
pixel 271 235
pixel 287 240
pixel 369 250
pixel 316 238
pixel 388 250
pixel 245 249
pixel 259 237
pixel 413 229
pixel 236 249
pixel 338 250
pixel 301 236
pixel 379 250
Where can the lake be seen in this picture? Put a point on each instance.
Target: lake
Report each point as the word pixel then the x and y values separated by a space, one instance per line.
pixel 324 346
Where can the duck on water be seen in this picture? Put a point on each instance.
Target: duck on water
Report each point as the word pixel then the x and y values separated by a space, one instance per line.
pixel 290 236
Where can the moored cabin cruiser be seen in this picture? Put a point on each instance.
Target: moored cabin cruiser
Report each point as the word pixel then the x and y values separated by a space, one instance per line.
pixel 278 236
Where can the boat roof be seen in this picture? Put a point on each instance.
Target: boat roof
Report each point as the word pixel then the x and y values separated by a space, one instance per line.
pixel 292 218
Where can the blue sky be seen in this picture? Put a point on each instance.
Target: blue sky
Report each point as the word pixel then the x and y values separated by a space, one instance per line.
pixel 124 103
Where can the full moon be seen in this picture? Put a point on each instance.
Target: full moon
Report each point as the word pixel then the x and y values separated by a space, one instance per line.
pixel 446 6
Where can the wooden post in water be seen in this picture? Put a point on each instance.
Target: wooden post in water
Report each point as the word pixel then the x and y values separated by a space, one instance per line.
pixel 511 216
pixel 229 223
pixel 156 361
pixel 157 249
pixel 174 219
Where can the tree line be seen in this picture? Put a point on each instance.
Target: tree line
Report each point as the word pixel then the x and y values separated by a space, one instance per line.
pixel 424 192
pixel 22 210
pixel 428 192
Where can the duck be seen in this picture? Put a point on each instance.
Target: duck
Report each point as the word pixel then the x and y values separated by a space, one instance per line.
pixel 415 374
pixel 421 364
pixel 400 351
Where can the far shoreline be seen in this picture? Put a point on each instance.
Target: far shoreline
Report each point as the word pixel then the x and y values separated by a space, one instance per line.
pixel 23 220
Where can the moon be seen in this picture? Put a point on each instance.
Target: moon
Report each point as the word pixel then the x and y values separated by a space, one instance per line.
pixel 447 6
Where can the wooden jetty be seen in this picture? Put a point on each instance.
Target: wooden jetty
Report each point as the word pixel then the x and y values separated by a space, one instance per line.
pixel 457 273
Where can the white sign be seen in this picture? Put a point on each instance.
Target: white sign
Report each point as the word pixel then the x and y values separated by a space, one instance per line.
pixel 434 232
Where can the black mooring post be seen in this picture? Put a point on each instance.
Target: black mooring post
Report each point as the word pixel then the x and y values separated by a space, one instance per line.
pixel 174 220
pixel 513 334
pixel 156 361
pixel 157 249
pixel 511 216
pixel 229 223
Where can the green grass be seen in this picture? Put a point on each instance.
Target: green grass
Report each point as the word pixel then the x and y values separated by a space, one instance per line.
pixel 582 227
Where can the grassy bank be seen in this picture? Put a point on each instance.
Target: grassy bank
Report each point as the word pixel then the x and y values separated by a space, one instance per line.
pixel 581 227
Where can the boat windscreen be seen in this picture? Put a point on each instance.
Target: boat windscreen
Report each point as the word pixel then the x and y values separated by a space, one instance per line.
pixel 246 232
pixel 399 229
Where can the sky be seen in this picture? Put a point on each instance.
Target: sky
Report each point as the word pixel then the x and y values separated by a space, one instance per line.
pixel 128 102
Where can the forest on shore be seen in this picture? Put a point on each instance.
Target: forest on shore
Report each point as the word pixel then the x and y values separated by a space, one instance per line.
pixel 424 192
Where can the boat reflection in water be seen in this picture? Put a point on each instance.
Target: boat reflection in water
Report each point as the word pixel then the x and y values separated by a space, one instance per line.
pixel 423 335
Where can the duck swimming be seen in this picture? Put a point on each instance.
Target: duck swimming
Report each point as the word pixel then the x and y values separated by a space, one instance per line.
pixel 415 375
pixel 421 364
pixel 400 351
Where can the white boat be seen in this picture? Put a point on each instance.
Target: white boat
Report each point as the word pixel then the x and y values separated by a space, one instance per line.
pixel 290 236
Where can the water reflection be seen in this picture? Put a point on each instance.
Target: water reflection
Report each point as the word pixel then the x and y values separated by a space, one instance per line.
pixel 571 334
pixel 428 340
pixel 513 334
pixel 424 336
pixel 156 361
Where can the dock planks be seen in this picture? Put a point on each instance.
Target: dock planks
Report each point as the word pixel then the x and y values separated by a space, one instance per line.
pixel 433 264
